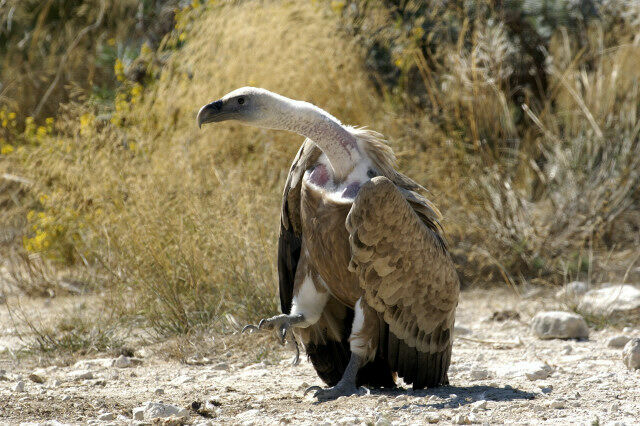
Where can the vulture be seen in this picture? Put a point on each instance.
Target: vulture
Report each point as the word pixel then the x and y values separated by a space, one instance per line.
pixel 366 281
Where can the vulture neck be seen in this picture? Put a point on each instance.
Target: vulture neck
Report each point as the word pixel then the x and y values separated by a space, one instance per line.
pixel 336 142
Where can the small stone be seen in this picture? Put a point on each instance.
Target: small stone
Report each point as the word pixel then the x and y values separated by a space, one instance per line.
pixel 614 407
pixel 618 341
pixel 538 371
pixel 479 405
pixel 159 391
pixel 567 349
pixel 138 413
pixel 106 416
pixel 36 378
pixel 19 387
pixel 461 419
pixel 156 409
pixel 122 362
pixel 559 325
pixel 557 404
pixel 65 397
pixel 573 290
pixel 81 375
pixel 615 301
pixel 631 354
pixel 56 383
pixel 221 366
pixel 628 330
pixel 479 374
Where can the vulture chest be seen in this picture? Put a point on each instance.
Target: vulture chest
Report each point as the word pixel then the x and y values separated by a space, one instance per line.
pixel 326 240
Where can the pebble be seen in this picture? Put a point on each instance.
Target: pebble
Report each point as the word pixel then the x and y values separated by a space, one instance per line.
pixel 631 354
pixel 538 371
pixel 19 387
pixel 81 375
pixel 572 290
pixel 106 416
pixel 479 405
pixel 56 383
pixel 559 325
pixel 158 409
pixel 221 366
pixel 36 378
pixel 138 413
pixel 159 391
pixel 461 419
pixel 614 301
pixel 618 341
pixel 459 330
pixel 122 362
pixel 479 374
pixel 557 404
pixel 66 397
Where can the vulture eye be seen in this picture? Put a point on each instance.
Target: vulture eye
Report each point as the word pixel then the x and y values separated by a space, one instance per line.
pixel 371 173
pixel 240 101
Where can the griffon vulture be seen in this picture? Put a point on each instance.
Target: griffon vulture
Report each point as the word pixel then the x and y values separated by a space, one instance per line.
pixel 366 281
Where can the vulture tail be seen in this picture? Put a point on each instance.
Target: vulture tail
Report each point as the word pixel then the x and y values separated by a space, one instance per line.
pixel 330 359
pixel 422 369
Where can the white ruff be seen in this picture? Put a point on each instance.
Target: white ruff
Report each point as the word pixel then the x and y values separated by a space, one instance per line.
pixel 309 302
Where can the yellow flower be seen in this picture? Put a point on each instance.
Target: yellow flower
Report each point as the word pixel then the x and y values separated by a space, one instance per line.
pixel 41 133
pixel 111 41
pixel 31 215
pixel 4 123
pixel 118 69
pixel 338 5
pixel 145 50
pixel 6 149
pixel 12 116
pixel 49 121
pixel 182 37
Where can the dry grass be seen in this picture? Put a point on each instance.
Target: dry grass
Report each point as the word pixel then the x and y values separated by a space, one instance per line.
pixel 178 226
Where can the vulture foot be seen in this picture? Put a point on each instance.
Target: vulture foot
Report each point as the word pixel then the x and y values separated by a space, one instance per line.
pixel 281 325
pixel 343 388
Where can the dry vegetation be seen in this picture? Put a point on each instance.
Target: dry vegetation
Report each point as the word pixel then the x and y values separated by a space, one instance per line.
pixel 534 160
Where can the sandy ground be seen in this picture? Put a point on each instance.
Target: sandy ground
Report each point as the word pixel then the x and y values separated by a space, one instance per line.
pixel 587 381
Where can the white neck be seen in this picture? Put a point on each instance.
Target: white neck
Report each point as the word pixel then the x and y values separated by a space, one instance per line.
pixel 326 131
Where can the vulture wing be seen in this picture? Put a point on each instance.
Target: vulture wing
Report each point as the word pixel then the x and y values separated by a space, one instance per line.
pixel 408 277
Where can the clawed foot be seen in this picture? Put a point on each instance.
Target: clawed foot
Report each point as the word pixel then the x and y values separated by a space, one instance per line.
pixel 281 325
pixel 341 389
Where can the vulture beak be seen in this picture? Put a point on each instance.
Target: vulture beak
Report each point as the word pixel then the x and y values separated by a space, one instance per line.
pixel 210 113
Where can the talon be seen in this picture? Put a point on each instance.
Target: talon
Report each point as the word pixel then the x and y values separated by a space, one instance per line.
pixel 312 388
pixel 249 327
pixel 296 358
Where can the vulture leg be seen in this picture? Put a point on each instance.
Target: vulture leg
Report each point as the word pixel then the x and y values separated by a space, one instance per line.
pixel 345 387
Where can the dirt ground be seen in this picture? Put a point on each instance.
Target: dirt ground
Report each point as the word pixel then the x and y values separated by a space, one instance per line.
pixel 494 350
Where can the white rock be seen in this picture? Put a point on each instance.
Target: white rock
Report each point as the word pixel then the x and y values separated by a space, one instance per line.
pixel 159 391
pixel 628 330
pixel 80 375
pixel 479 374
pixel 65 398
pixel 557 404
pixel 122 362
pixel 19 387
pixel 479 405
pixel 631 354
pixel 618 341
pixel 106 416
pixel 221 366
pixel 158 409
pixel 88 364
pixel 138 413
pixel 572 290
pixel 559 325
pixel 461 419
pixel 56 383
pixel 621 300
pixel 538 371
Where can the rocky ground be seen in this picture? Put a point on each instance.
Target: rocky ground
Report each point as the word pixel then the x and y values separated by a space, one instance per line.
pixel 501 372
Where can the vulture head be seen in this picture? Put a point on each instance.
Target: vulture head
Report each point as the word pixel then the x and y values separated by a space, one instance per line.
pixel 248 105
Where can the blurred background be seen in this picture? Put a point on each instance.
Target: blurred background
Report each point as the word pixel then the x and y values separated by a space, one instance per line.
pixel 520 117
